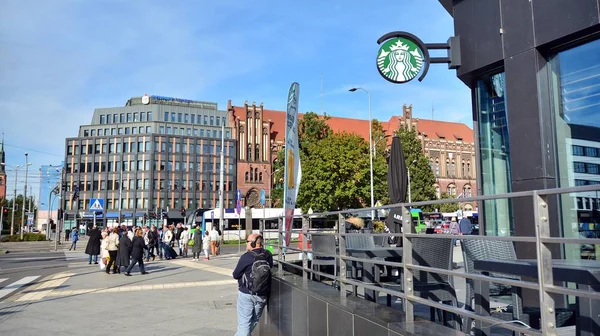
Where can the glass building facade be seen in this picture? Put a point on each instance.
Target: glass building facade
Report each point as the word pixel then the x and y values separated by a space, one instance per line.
pixel 142 166
pixel 534 72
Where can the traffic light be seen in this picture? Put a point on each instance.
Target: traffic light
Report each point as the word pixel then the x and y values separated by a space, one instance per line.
pixel 5 211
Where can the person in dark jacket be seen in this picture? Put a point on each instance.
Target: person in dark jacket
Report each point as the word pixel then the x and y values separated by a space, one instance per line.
pixel 137 252
pixel 197 248
pixel 178 233
pixel 250 305
pixel 152 241
pixel 124 253
pixel 93 246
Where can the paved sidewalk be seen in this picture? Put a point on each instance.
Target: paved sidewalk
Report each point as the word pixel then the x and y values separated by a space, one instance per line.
pixel 178 297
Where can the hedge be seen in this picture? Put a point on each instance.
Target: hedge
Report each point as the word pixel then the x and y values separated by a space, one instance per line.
pixel 26 237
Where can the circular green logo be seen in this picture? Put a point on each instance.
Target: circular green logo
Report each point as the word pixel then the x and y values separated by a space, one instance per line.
pixel 399 60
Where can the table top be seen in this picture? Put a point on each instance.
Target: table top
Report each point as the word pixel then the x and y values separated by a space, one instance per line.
pixel 578 271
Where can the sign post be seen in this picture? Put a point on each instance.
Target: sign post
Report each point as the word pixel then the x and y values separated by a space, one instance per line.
pixel 263 202
pixel 96 205
pixel 238 210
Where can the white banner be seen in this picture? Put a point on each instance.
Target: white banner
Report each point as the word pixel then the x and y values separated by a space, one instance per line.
pixel 293 171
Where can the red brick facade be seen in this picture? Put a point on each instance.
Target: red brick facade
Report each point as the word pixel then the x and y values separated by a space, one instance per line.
pixel 449 147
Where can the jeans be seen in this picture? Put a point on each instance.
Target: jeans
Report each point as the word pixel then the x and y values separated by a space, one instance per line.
pixel 95 259
pixel 149 253
pixel 159 249
pixel 133 262
pixel 73 245
pixel 249 309
pixel 166 250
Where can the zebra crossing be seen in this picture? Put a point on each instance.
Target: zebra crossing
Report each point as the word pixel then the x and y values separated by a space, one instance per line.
pixel 7 287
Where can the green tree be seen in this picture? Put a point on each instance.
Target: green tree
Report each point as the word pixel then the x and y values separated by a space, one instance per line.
pixel 18 206
pixel 448 207
pixel 421 176
pixel 312 128
pixel 380 166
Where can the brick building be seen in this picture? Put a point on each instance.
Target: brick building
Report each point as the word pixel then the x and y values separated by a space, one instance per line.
pixel 261 133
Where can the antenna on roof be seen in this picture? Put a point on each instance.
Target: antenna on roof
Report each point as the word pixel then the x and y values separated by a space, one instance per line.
pixel 321 93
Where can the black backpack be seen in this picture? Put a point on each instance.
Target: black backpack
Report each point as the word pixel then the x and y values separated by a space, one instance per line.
pixel 260 276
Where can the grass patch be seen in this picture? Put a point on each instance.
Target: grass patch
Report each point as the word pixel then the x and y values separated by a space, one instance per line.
pixel 26 237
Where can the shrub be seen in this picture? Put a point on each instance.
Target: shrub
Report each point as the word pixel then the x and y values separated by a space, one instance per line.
pixel 26 237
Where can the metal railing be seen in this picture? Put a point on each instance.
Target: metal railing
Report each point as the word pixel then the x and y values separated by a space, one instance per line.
pixel 542 240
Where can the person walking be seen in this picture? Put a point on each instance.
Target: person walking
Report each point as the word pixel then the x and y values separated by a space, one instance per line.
pixel 93 245
pixel 184 238
pixel 137 253
pixel 167 238
pixel 465 226
pixel 152 240
pixel 112 245
pixel 214 238
pixel 178 232
pixel 124 253
pixel 74 239
pixel 197 248
pixel 253 273
pixel 206 244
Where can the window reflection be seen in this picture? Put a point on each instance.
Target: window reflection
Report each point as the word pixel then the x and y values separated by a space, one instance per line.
pixel 494 152
pixel 575 89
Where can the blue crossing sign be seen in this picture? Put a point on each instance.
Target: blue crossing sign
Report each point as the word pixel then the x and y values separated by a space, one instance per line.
pixel 97 204
pixel 239 195
pixel 263 197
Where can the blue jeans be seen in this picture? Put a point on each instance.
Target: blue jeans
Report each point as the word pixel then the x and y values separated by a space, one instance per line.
pixel 249 309
pixel 95 259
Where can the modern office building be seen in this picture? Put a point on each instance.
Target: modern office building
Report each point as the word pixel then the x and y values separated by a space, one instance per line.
pixel 48 197
pixel 534 71
pixel 156 154
pixel 449 147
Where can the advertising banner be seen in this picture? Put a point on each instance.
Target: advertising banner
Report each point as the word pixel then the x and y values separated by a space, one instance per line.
pixel 293 172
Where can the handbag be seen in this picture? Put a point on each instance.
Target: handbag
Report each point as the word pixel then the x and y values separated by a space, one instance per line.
pixel 191 242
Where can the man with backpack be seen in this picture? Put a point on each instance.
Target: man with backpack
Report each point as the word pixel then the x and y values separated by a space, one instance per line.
pixel 253 273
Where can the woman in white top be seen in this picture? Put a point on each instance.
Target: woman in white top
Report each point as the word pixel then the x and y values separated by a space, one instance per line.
pixel 112 245
pixel 183 241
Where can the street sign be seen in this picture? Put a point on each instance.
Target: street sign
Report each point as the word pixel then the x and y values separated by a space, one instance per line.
pixel 30 218
pixel 212 215
pixel 97 204
pixel 262 197
pixel 238 207
pixel 239 195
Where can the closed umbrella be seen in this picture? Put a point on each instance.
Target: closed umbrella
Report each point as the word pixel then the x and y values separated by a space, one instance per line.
pixel 397 183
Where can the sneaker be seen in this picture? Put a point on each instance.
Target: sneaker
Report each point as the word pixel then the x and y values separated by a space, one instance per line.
pixel 206 258
pixel 127 274
pixel 143 273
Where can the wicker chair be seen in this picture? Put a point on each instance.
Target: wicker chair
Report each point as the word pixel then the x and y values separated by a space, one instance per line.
pixel 436 253
pixel 502 250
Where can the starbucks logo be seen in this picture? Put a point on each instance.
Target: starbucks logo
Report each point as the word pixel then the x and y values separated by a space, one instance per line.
pixel 399 60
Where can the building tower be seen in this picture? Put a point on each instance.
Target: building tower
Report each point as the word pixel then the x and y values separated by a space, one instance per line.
pixel 2 170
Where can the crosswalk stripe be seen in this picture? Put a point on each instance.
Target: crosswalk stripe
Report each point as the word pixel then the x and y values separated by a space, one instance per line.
pixel 46 287
pixel 2 280
pixel 16 285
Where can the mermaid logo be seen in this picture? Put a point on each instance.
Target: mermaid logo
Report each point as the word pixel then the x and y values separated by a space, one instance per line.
pixel 399 60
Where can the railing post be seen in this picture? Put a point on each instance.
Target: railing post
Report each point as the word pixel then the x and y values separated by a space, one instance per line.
pixel 280 247
pixel 342 249
pixel 305 225
pixel 544 261
pixel 407 257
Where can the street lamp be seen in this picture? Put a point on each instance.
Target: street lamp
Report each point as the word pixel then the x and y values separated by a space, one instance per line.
pixel 27 164
pixel 408 171
pixel 370 148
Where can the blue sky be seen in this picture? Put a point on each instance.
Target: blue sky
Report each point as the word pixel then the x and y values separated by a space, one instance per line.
pixel 61 59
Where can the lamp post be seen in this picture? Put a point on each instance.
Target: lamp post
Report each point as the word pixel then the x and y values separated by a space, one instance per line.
pixel 370 147
pixel 27 164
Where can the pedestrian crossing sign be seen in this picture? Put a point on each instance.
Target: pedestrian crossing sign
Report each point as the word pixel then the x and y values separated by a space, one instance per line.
pixel 96 204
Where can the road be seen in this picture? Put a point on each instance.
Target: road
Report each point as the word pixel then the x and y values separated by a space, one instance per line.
pixel 21 269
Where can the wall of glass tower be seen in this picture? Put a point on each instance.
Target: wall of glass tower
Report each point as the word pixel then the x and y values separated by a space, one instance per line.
pixel 48 197
pixel 157 154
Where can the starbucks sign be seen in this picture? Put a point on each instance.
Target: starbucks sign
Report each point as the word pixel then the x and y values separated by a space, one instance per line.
pixel 402 57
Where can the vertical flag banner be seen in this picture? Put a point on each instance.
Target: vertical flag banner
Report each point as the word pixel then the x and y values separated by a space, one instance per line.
pixel 293 172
